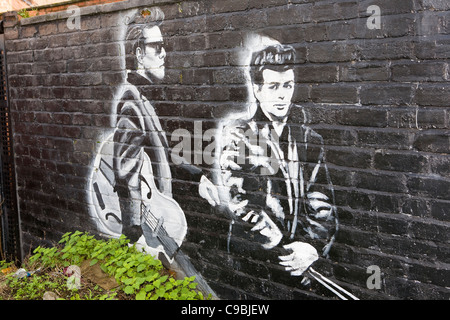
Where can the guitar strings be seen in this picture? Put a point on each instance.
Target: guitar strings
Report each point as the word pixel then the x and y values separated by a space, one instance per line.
pixel 169 244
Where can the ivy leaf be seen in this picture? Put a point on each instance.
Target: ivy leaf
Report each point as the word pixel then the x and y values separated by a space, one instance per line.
pixel 193 285
pixel 141 295
pixel 154 297
pixel 102 256
pixel 140 280
pixel 120 271
pixel 173 295
pixel 141 267
pixel 169 286
pixel 128 290
pixel 128 281
pixel 131 273
pixel 151 277
pixel 149 287
pixel 160 292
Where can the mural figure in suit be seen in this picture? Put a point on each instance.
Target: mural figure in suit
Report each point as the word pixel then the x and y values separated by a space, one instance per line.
pixel 131 185
pixel 271 176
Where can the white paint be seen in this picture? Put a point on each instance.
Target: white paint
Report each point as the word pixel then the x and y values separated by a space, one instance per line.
pixel 374 21
pixel 74 20
pixel 274 97
pixel 302 256
pixel 161 219
pixel 74 280
pixel 374 281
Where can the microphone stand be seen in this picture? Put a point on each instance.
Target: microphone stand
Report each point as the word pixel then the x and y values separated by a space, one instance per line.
pixel 330 285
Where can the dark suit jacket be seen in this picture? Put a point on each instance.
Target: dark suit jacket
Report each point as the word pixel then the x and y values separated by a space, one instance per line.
pixel 283 176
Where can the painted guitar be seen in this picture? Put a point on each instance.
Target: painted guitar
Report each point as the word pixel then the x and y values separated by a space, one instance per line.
pixel 163 221
pixel 162 218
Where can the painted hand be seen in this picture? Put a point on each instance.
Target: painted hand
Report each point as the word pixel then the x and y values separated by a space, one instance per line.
pixel 302 256
pixel 208 191
pixel 266 227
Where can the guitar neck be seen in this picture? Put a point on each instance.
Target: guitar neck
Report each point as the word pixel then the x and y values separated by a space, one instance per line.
pixel 157 226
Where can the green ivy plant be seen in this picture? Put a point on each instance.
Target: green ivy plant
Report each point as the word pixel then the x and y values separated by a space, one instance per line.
pixel 137 273
pixel 4 264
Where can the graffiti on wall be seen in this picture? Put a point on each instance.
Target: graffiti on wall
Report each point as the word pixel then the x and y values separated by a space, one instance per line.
pixel 297 195
pixel 269 174
pixel 271 177
pixel 130 186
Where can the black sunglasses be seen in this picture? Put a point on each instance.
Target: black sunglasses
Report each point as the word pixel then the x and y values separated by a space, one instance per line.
pixel 158 46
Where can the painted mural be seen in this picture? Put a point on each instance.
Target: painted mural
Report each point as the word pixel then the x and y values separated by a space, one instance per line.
pixel 130 186
pixel 271 177
pixel 269 174
pixel 293 202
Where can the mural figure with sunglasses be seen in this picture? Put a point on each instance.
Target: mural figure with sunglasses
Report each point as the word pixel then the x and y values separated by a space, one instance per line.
pixel 132 183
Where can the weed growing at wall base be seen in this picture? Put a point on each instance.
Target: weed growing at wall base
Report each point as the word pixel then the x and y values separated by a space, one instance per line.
pixel 138 275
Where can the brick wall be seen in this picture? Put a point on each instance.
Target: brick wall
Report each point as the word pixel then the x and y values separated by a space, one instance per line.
pixel 57 6
pixel 375 89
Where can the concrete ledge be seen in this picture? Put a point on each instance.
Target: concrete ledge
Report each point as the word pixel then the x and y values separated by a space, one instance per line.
pixel 96 9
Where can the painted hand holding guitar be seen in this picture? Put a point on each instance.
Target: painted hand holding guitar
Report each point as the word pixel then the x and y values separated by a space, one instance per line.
pixel 162 220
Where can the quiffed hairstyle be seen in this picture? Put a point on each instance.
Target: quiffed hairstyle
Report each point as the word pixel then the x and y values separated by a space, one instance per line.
pixel 142 19
pixel 275 57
